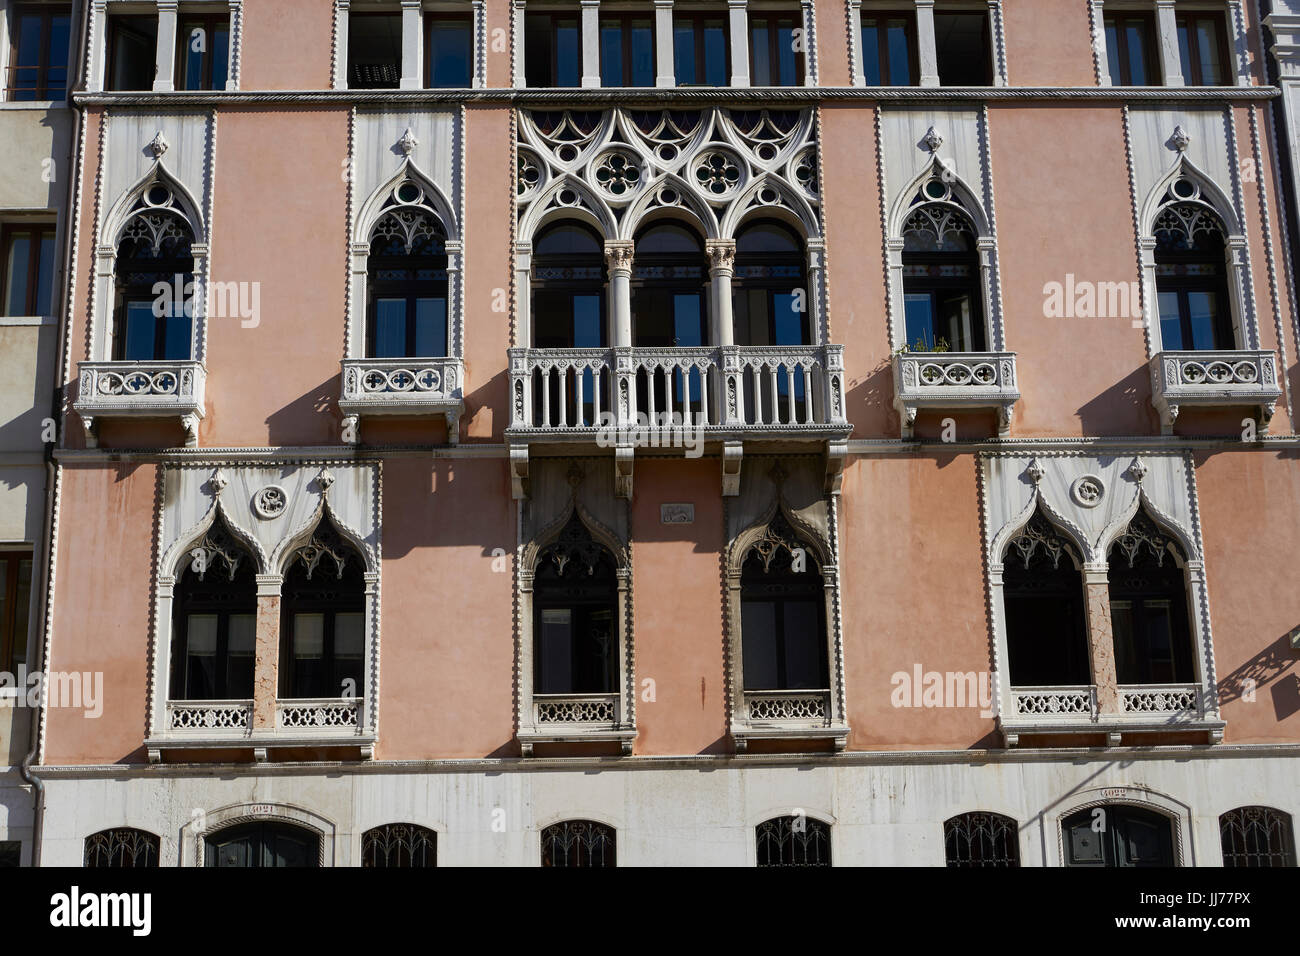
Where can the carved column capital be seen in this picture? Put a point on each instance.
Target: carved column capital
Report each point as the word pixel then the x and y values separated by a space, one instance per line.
pixel 618 255
pixel 722 255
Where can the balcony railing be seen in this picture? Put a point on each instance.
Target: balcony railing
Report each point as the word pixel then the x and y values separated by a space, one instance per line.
pixel 404 386
pixel 1213 379
pixel 233 718
pixel 788 706
pixel 1055 703
pixel 585 709
pixel 955 381
pixel 578 392
pixel 129 389
pixel 331 716
pixel 1173 699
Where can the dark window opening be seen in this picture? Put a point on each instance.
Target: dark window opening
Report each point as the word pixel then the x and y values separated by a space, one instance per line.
pixel 449 49
pixel 770 290
pixel 942 296
pixel 11 854
pixel 323 632
pixel 1118 835
pixel 121 848
pixel 38 53
pixel 1131 50
pixel 1042 589
pixel 798 841
pixel 155 248
pixel 569 288
pixel 1191 277
pixel 552 49
pixel 783 614
pixel 399 845
pixel 776 48
pixel 578 843
pixel 701 53
pixel 407 286
pixel 214 628
pixel 1203 50
pixel 1257 836
pixel 962 47
pixel 981 840
pixel 15 608
pixel 1148 607
pixel 132 53
pixel 668 311
pixel 575 615
pixel 203 52
pixel 889 49
pixel 28 280
pixel 262 845
pixel 374 51
pixel 627 50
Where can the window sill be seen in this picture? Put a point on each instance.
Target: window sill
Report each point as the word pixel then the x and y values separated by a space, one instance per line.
pixel 1213 379
pixel 228 724
pixel 576 718
pixel 788 715
pixel 28 320
pixel 1144 708
pixel 41 105
pixel 141 390
pixel 405 386
pixel 955 381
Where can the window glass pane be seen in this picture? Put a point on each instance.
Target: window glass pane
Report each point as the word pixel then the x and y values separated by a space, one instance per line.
pixel 241 642
pixel 684 52
pixel 803 669
pixel 760 62
pixel 44 274
pixel 308 636
pixel 22 607
pixel 56 77
pixel 568 53
pixel 787 75
pixel 715 53
pixel 586 321
pixel 955 320
pixel 1137 58
pixel 450 52
pixel 1160 641
pixel 1112 53
pixel 20 247
pixel 430 327
pixel 688 319
pixel 1171 326
pixel 919 319
pixel 390 328
pixel 871 51
pixel 349 643
pixel 25 77
pixel 1184 53
pixel 611 52
pixel 140 329
pixel 1201 312
pixel 177 343
pixel 219 51
pixel 196 40
pixel 1207 42
pixel 556 652
pixel 787 319
pixel 900 54
pixel 643 53
pixel 758 629
pixel 201 656
pixel 1121 623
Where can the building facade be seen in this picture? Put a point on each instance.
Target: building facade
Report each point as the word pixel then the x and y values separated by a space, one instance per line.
pixel 753 433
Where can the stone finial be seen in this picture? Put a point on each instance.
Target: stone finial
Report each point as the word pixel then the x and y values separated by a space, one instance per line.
pixel 1138 470
pixel 1180 140
pixel 158 145
pixel 1035 471
pixel 932 140
pixel 324 479
pixel 408 142
pixel 217 483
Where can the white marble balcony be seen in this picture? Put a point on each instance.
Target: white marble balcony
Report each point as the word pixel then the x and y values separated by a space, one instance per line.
pixel 955 382
pixel 404 386
pixel 1213 379
pixel 130 389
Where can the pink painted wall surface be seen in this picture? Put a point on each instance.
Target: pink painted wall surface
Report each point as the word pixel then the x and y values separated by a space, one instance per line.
pixel 1048 43
pixel 832 44
pixel 102 617
pixel 447 656
pixel 287 45
pixel 677 599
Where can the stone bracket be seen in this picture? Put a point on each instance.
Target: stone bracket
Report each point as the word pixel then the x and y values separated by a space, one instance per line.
pixel 518 471
pixel 836 454
pixel 624 461
pixel 733 452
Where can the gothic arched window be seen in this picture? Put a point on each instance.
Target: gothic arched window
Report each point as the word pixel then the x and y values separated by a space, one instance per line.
pixel 942 293
pixel 1118 835
pixel 262 844
pixel 1042 591
pixel 568 287
pixel 981 839
pixel 214 625
pixel 578 843
pixel 399 845
pixel 322 649
pixel 575 615
pixel 770 289
pixel 1257 836
pixel 783 614
pixel 155 247
pixel 1148 606
pixel 793 841
pixel 668 274
pixel 121 847
pixel 1191 272
pixel 407 282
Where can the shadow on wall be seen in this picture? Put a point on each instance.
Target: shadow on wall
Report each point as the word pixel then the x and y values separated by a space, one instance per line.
pixel 1269 667
pixel 1124 408
pixel 492 396
pixel 314 418
pixel 871 403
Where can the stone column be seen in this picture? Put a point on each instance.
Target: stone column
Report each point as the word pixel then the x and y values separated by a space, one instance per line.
pixel 1099 51
pixel 590 43
pixel 618 256
pixel 1171 62
pixel 266 661
pixel 412 46
pixel 98 52
pixel 665 71
pixel 166 51
pixel 341 20
pixel 1101 639
pixel 722 262
pixel 523 294
pixel 926 51
pixel 739 27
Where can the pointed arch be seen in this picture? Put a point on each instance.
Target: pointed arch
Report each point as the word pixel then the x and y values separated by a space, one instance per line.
pixel 809 535
pixel 689 207
pixel 302 535
pixel 962 196
pixel 589 208
pixel 602 535
pixel 377 203
pixel 1211 195
pixel 1037 500
pixel 792 207
pixel 1160 518
pixel 186 206
pixel 180 549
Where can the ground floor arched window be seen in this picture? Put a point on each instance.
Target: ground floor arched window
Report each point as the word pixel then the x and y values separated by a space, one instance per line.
pixel 121 847
pixel 578 843
pixel 1118 835
pixel 262 844
pixel 793 841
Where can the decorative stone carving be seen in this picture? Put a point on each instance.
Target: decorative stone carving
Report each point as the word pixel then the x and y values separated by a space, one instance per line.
pixel 1180 139
pixel 408 142
pixel 932 140
pixel 157 146
pixel 1087 491
pixel 270 502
